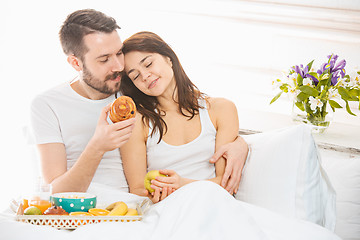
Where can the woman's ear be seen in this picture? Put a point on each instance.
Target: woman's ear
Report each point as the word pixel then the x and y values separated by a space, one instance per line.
pixel 75 62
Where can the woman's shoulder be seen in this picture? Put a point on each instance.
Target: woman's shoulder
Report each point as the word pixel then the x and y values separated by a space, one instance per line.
pixel 219 103
pixel 141 125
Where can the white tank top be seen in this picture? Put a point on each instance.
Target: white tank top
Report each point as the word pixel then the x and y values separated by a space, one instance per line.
pixel 190 160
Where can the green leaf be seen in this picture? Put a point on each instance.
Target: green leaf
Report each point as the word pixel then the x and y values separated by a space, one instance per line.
pixel 300 105
pixel 348 108
pixel 309 91
pixel 299 80
pixel 302 96
pixel 345 94
pixel 334 104
pixel 310 64
pixel 333 109
pixel 276 97
pixel 354 93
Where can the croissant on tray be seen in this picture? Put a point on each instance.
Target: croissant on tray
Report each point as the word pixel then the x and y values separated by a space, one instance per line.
pixel 122 108
pixel 55 211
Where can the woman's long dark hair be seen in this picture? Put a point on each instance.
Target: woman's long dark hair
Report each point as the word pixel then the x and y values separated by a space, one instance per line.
pixel 188 94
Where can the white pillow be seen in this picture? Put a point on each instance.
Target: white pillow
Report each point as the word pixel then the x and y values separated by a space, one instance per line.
pixel 283 174
pixel 344 173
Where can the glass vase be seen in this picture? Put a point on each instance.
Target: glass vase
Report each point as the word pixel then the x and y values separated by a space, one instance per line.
pixel 319 120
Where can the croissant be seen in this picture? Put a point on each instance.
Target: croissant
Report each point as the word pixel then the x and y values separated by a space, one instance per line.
pixel 55 211
pixel 122 108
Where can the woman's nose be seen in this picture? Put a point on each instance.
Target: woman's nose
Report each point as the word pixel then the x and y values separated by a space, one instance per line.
pixel 145 75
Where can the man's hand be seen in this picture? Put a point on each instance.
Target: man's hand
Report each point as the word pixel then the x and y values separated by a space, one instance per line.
pixel 108 137
pixel 235 154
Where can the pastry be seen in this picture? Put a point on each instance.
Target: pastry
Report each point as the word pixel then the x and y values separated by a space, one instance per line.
pixel 122 108
pixel 55 211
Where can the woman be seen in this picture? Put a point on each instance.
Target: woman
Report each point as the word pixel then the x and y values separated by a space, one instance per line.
pixel 178 128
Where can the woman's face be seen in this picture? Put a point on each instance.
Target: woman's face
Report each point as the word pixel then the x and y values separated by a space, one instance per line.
pixel 150 72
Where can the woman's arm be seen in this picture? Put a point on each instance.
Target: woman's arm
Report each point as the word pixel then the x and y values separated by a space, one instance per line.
pixel 235 154
pixel 223 114
pixel 133 155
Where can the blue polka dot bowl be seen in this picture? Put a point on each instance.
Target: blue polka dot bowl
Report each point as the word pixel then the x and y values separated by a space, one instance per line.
pixel 74 201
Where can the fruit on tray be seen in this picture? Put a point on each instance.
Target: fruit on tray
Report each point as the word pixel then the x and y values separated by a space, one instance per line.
pixel 40 204
pixel 80 214
pixel 25 203
pixel 99 211
pixel 32 210
pixel 150 176
pixel 132 212
pixel 111 206
pixel 120 209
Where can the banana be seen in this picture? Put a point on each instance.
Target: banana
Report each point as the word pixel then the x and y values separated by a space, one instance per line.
pixel 111 206
pixel 120 209
pixel 131 212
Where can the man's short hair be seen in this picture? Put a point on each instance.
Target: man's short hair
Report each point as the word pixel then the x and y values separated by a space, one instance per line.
pixel 81 23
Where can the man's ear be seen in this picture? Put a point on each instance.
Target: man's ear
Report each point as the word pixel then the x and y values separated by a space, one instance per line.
pixel 75 62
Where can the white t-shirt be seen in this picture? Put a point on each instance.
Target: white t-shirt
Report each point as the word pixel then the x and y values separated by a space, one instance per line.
pixel 190 160
pixel 60 115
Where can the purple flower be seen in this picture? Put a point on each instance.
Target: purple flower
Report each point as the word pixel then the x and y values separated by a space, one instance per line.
pixel 335 70
pixel 304 73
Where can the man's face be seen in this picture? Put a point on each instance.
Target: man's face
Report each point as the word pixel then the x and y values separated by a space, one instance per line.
pixel 104 62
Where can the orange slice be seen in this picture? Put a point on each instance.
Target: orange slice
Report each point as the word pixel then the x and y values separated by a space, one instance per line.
pixel 80 214
pixel 98 211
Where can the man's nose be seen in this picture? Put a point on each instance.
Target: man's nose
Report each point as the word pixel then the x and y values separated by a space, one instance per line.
pixel 118 64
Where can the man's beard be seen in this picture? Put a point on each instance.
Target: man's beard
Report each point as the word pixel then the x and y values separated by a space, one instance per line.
pixel 99 85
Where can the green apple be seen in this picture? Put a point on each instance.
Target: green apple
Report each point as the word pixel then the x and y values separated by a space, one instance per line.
pixel 150 176
pixel 32 210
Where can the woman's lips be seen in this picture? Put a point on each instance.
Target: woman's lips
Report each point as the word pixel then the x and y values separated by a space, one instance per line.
pixel 153 83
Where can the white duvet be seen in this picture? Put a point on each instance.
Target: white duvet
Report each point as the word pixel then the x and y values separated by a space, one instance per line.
pixel 200 210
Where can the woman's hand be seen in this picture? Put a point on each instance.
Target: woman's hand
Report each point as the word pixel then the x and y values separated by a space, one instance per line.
pixel 160 194
pixel 164 186
pixel 173 180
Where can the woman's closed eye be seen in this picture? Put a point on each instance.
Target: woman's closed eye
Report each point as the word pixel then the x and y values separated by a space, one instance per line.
pixel 136 77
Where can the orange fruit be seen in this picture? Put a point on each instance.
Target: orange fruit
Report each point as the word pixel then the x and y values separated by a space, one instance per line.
pixel 25 203
pixel 98 211
pixel 80 214
pixel 40 204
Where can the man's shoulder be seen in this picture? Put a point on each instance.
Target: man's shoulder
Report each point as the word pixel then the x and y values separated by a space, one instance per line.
pixel 57 92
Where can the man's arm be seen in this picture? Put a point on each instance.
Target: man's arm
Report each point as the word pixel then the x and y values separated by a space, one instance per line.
pixel 235 154
pixel 107 137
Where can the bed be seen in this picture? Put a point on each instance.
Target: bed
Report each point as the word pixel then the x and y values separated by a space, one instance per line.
pixel 287 192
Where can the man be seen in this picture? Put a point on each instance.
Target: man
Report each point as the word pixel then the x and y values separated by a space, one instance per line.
pixel 76 143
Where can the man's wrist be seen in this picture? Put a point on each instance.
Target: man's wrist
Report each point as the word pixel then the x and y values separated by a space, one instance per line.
pixel 93 148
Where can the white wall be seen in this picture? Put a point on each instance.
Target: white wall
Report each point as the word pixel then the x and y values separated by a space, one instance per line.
pixel 229 48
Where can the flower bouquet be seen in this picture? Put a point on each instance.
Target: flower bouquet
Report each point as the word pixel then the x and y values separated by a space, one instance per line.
pixel 315 91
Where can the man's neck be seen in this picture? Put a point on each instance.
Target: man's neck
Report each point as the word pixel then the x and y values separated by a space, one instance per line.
pixel 81 88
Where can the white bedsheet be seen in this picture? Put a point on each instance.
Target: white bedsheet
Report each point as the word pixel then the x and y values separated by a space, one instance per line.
pixel 200 210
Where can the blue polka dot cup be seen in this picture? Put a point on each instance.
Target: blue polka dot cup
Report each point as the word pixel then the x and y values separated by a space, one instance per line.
pixel 74 201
